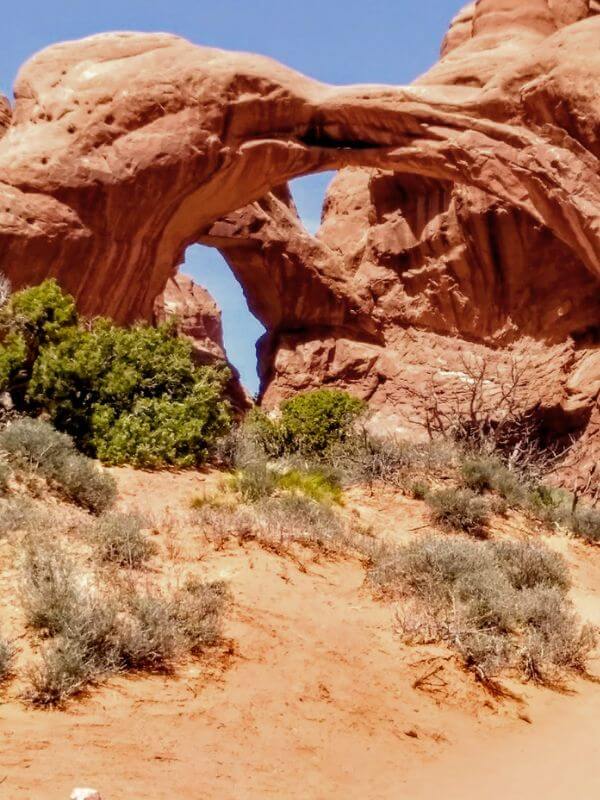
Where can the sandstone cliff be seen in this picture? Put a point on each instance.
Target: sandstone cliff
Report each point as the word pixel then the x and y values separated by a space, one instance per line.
pixel 466 216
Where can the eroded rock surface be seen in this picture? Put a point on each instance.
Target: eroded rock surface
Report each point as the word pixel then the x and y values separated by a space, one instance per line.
pixel 466 216
pixel 198 317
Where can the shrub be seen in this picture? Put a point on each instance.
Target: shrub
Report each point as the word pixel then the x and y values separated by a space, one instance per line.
pixel 127 395
pixel 258 438
pixel 132 395
pixel 498 604
pixel 99 634
pixel 148 638
pixel 5 473
pixel 6 659
pixel 119 539
pixel 33 444
pixel 85 484
pixel 483 472
pixel 458 509
pixel 162 431
pixel 65 670
pixel 30 320
pixel 297 518
pixel 418 490
pixel 259 480
pixel 255 481
pixel 530 565
pixel 314 484
pixel 364 458
pixel 49 592
pixel 550 506
pixel 23 514
pixel 198 613
pixel 585 523
pixel 278 521
pixel 312 421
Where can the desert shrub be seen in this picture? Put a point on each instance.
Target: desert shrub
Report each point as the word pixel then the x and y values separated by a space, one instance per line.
pixel 198 613
pixel 119 539
pixel 549 505
pixel 260 479
pixel 49 592
pixel 418 490
pixel 316 484
pixel 129 395
pixel 85 484
pixel 98 633
pixel 313 421
pixel 362 458
pixel 255 481
pixel 258 438
pixel 458 509
pixel 530 565
pixel 484 472
pixel 31 319
pixel 498 604
pixel 64 671
pixel 33 444
pixel 297 518
pixel 585 522
pixel 6 659
pixel 5 473
pixel 21 513
pixel 83 650
pixel 278 521
pixel 554 640
pixel 132 395
pixel 148 638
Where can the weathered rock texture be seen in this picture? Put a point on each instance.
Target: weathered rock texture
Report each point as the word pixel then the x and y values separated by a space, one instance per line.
pixel 468 217
pixel 198 317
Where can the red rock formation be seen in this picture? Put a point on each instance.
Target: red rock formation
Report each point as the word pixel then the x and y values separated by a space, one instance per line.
pixel 198 318
pixel 4 114
pixel 473 220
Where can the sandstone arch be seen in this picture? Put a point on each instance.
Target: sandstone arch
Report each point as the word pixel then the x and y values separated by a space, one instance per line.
pixel 122 149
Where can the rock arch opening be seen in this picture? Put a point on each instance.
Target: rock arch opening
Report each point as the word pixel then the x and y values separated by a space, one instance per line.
pixel 308 194
pixel 240 329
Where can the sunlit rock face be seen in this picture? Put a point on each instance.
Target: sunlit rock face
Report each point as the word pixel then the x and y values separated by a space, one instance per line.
pixel 198 318
pixel 465 218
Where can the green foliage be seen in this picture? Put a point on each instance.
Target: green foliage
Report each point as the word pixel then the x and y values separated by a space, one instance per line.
pixel 127 395
pixel 132 395
pixel 34 445
pixel 483 472
pixel 259 480
pixel 458 509
pixel 314 484
pixel 418 490
pixel 311 422
pixel 549 505
pixel 30 320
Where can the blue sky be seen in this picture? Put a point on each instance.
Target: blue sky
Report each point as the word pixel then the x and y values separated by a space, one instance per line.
pixel 384 41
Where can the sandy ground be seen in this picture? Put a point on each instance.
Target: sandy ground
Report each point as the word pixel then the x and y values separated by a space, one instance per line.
pixel 312 697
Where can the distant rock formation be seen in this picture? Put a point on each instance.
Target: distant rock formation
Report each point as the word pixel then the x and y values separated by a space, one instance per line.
pixel 198 318
pixel 466 217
